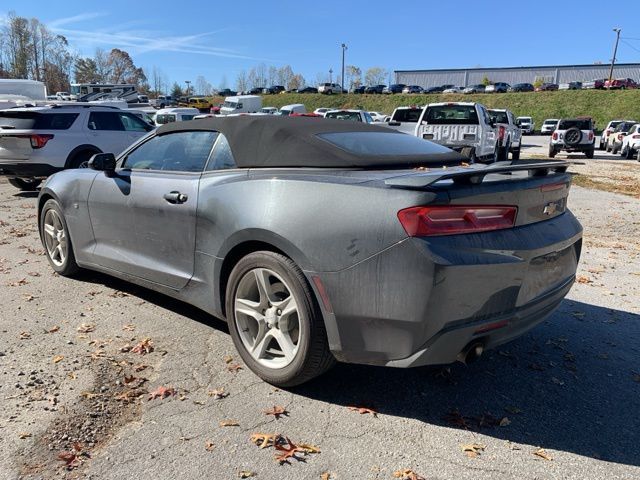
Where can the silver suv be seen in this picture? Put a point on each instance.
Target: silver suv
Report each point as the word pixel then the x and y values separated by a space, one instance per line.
pixel 573 135
pixel 329 88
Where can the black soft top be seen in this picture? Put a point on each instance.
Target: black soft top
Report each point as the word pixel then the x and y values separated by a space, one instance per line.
pixel 265 141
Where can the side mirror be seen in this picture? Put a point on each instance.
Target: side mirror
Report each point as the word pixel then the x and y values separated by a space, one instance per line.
pixel 104 162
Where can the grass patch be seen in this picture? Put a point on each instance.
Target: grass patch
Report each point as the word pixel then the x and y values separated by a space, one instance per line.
pixel 625 185
pixel 602 105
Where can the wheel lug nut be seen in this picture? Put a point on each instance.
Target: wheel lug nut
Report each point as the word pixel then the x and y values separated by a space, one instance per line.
pixel 279 312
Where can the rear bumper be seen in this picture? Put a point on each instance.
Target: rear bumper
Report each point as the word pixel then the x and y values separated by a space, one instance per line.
pixel 27 170
pixel 422 301
pixel 574 148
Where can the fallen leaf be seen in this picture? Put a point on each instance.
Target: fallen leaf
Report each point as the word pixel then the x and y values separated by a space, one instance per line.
pixel 246 474
pixel 228 359
pixel 363 410
pixel 129 327
pixel 19 283
pixel 86 328
pixel 139 368
pixel 308 448
pixel 325 476
pixel 505 422
pixel 24 435
pixel 277 412
pixel 90 395
pixel 34 274
pixel 229 423
pixel 264 440
pixel 234 367
pixel 288 451
pixel 54 329
pixel 144 347
pixel 473 450
pixel 407 474
pixel 28 298
pixel 162 392
pixel 118 294
pixel 209 446
pixel 133 382
pixel 217 393
pixel 455 418
pixel 583 279
pixel 58 358
pixel 542 454
pixel 25 335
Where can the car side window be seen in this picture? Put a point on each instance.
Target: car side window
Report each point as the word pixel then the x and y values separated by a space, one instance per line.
pixel 175 152
pixel 131 123
pixel 222 157
pixel 105 121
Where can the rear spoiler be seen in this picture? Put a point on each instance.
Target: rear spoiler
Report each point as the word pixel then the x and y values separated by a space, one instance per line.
pixel 475 173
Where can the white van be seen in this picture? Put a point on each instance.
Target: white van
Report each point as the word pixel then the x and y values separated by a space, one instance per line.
pixel 289 109
pixel 241 104
pixel 168 115
pixel 269 110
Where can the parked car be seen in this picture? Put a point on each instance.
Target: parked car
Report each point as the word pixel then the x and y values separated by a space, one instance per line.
pixel 349 115
pixel 570 86
pixel 329 88
pixel 614 141
pixel 164 101
pixel 462 126
pixel 201 103
pixel 256 91
pixel 36 142
pixel 508 133
pixel 291 109
pixel 526 124
pixel 308 90
pixel 631 142
pixel 175 114
pixel 359 89
pixel 412 89
pixel 375 89
pixel 241 104
pixel 609 129
pixel 620 84
pixel 405 119
pixel 597 84
pixel 268 255
pixel 446 86
pixel 498 87
pixel 269 110
pixel 453 90
pixel 547 87
pixel 521 87
pixel 548 126
pixel 377 116
pixel 478 88
pixel 434 90
pixel 394 88
pixel 226 92
pixel 322 110
pixel 573 135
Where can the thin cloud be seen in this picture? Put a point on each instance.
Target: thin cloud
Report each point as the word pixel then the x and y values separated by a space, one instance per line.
pixel 139 43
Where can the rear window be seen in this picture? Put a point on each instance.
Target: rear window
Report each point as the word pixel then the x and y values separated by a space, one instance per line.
pixel 37 121
pixel 624 127
pixel 452 115
pixel 350 116
pixel 499 117
pixel 165 118
pixel 407 115
pixel 381 143
pixel 577 123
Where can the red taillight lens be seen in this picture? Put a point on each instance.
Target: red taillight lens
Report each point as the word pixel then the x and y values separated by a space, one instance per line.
pixel 635 136
pixel 451 220
pixel 620 136
pixel 590 136
pixel 555 135
pixel 39 141
pixel 501 131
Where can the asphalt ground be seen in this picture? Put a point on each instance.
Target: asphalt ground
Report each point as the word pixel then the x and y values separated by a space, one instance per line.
pixel 561 402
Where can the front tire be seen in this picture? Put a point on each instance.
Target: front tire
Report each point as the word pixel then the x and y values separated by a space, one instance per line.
pixel 54 234
pixel 630 153
pixel 589 153
pixel 25 184
pixel 275 323
pixel 552 151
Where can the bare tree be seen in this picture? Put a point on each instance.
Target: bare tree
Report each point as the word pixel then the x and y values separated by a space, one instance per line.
pixel 202 86
pixel 353 76
pixel 242 81
pixel 261 75
pixel 375 76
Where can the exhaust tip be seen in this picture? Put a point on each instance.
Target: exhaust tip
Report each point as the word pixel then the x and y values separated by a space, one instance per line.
pixel 471 353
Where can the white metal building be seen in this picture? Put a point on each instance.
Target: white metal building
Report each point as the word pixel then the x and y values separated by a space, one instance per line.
pixel 552 73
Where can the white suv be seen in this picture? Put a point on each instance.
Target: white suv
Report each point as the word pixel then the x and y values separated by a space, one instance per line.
pixel 329 88
pixel 39 141
pixel 573 135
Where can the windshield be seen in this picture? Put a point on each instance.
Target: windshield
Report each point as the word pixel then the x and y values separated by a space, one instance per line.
pixel 380 143
pixel 624 127
pixel 411 115
pixel 284 113
pixel 451 114
pixel 350 116
pixel 499 117
pixel 550 122
pixel 165 118
pixel 233 105
pixel 575 123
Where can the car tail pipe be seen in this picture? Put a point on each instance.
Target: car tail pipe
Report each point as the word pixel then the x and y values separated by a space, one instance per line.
pixel 471 352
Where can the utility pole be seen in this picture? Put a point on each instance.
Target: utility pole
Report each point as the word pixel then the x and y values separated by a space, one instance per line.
pixel 344 47
pixel 615 51
pixel 188 82
pixel 330 75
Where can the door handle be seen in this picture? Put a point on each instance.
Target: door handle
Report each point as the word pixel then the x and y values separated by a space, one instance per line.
pixel 175 197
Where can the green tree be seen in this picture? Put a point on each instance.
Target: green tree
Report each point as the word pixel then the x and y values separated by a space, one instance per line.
pixel 176 90
pixel 486 81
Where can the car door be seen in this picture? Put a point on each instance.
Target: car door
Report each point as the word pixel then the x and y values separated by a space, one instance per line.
pixel 144 215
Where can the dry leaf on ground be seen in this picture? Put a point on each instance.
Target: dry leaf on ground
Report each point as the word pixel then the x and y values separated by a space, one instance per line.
pixel 277 411
pixel 144 347
pixel 217 393
pixel 209 446
pixel 542 454
pixel 264 440
pixel 53 329
pixel 407 474
pixel 58 358
pixel 363 410
pixel 86 328
pixel 162 392
pixel 246 474
pixel 234 367
pixel 229 423
pixel 473 450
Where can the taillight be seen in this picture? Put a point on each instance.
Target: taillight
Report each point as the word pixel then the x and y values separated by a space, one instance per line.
pixel 501 131
pixel 555 135
pixel 590 136
pixel 620 136
pixel 635 136
pixel 40 140
pixel 456 219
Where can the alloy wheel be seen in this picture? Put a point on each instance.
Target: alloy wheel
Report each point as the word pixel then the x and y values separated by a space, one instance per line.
pixel 55 238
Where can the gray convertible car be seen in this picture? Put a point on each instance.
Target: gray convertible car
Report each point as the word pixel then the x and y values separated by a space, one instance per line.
pixel 320 240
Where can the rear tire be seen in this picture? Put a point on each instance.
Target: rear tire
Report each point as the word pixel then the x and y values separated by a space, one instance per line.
pixel 630 153
pixel 515 155
pixel 552 151
pixel 614 150
pixel 310 355
pixel 25 184
pixel 503 152
pixel 589 153
pixel 54 234
pixel 81 159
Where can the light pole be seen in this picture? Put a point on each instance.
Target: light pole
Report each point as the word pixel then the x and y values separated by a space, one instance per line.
pixel 615 51
pixel 344 47
pixel 188 82
pixel 330 75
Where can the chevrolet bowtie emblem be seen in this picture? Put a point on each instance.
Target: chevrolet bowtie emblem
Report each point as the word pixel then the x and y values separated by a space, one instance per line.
pixel 551 208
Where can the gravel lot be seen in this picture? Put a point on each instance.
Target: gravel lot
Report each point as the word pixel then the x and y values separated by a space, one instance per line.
pixel 70 375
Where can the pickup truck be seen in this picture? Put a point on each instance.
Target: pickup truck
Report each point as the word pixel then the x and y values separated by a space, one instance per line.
pixel 509 133
pixel 405 119
pixel 465 127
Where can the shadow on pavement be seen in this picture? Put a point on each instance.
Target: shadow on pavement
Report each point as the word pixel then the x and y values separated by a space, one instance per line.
pixel 568 385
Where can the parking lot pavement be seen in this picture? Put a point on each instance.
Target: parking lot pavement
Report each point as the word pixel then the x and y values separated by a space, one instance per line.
pixel 559 403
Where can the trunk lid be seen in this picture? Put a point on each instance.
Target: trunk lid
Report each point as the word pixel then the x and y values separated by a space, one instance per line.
pixel 450 134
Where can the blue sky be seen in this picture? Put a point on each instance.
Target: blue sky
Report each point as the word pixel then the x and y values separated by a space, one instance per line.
pixel 188 38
